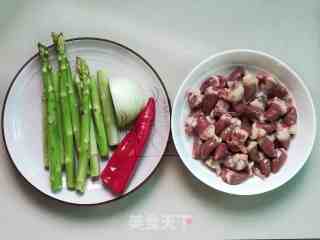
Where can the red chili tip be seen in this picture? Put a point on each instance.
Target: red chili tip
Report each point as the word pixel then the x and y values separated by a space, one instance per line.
pixel 151 104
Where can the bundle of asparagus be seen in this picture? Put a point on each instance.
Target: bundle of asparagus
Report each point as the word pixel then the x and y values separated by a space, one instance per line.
pixel 78 119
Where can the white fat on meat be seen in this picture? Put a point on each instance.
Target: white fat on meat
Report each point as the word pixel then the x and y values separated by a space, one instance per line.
pixel 250 79
pixel 236 93
pixel 191 121
pixel 272 137
pixel 257 132
pixel 250 168
pixel 214 165
pixel 209 132
pixel 252 145
pixel 258 103
pixel 293 129
pixel 282 104
pixel 262 96
pixel 210 119
pixel 241 133
pixel 237 161
pixel 257 172
pixel 196 94
pixel 210 90
pixel 235 122
pixel 283 133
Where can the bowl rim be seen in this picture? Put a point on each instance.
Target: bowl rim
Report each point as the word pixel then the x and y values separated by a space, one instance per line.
pixel 283 65
pixel 71 40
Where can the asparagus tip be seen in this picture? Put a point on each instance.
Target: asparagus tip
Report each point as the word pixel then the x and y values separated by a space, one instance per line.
pixel 78 64
pixel 40 45
pixel 43 50
pixel 43 53
pixel 82 66
pixel 102 72
pixel 60 43
pixel 54 36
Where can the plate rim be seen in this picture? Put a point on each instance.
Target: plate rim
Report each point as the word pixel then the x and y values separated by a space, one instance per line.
pixel 70 40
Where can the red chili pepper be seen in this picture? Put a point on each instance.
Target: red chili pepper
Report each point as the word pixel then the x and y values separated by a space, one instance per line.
pixel 121 166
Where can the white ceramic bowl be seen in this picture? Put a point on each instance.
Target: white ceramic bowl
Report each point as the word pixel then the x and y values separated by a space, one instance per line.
pixel 300 147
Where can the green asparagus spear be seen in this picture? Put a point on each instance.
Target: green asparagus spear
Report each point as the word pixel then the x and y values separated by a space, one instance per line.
pixel 55 37
pixel 101 134
pixel 94 164
pixel 52 134
pixel 94 153
pixel 43 59
pixel 54 150
pixel 94 167
pixel 108 109
pixel 45 131
pixel 85 120
pixel 78 85
pixel 75 112
pixel 72 98
pixel 56 85
pixel 66 112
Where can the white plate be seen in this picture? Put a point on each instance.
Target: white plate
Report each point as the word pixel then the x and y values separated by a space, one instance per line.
pixel 300 147
pixel 22 125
